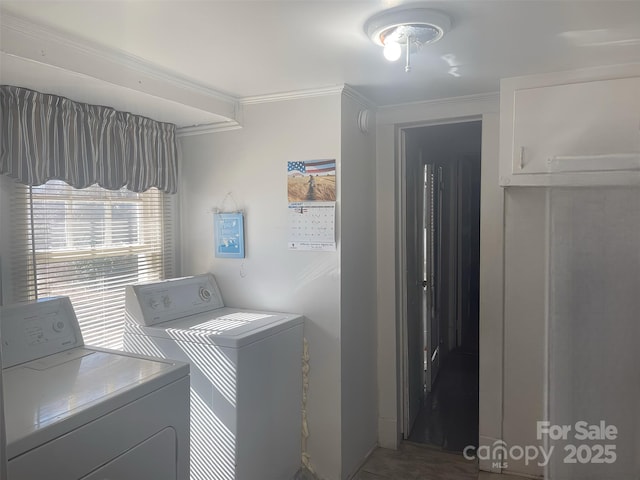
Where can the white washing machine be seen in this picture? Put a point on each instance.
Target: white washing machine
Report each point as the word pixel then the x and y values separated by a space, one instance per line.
pixel 75 412
pixel 246 375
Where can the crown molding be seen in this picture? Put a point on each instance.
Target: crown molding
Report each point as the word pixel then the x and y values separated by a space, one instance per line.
pixel 478 97
pixel 293 95
pixel 36 42
pixel 345 89
pixel 358 97
pixel 29 40
pixel 50 35
pixel 206 129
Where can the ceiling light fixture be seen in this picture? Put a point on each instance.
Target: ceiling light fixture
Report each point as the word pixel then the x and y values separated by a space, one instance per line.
pixel 409 27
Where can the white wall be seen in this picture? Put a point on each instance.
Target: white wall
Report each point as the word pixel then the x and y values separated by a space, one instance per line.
pixel 388 365
pixel 491 288
pixel 358 289
pixel 389 119
pixel 525 313
pixel 336 291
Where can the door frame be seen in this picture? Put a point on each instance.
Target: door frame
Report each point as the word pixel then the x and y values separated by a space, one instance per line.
pixel 401 243
pixel 389 121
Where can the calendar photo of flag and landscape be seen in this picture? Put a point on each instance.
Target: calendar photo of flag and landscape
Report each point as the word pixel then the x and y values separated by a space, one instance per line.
pixel 311 181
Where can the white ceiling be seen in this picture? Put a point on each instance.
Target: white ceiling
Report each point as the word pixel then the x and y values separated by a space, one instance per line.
pixel 253 48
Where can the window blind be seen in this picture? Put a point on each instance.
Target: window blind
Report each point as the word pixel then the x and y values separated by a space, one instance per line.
pixel 89 244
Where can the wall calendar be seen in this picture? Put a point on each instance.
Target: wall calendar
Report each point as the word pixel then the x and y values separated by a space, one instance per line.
pixel 311 191
pixel 312 226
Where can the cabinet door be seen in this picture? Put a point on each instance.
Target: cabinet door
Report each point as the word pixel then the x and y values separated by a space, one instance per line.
pixel 592 126
pixel 571 128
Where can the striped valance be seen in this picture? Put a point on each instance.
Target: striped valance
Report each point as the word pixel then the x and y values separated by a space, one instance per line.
pixel 44 137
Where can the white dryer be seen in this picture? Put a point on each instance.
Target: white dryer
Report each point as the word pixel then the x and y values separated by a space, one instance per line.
pixel 75 412
pixel 246 375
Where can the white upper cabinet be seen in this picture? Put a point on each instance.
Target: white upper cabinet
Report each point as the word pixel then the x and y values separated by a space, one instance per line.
pixel 571 128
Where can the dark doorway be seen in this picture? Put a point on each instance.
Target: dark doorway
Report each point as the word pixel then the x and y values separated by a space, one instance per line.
pixel 442 165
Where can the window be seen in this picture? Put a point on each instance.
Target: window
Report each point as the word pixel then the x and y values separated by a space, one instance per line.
pixel 89 244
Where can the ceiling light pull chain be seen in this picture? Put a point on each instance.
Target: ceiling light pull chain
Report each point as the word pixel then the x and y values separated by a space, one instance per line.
pixel 407 67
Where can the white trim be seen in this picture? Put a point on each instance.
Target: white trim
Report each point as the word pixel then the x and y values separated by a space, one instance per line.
pixel 358 97
pixel 491 311
pixel 36 42
pixel 444 121
pixel 391 121
pixel 439 109
pixel 50 35
pixel 448 100
pixel 33 42
pixel 401 278
pixel 345 89
pixel 487 465
pixel 209 128
pixel 292 95
pixel 578 75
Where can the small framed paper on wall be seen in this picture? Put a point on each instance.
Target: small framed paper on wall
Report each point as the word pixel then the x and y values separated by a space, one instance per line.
pixel 229 235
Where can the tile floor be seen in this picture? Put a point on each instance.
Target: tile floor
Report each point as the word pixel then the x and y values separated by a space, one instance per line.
pixel 414 461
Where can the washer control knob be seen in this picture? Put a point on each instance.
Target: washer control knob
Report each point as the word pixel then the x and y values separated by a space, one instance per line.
pixel 205 294
pixel 58 326
pixel 166 301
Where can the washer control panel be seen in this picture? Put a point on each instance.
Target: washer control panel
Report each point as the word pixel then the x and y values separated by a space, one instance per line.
pixel 33 330
pixel 157 302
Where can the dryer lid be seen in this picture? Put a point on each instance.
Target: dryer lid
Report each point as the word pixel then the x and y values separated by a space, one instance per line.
pixel 225 327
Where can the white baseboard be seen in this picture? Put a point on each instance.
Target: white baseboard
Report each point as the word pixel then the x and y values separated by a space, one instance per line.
pixel 487 465
pixel 388 433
